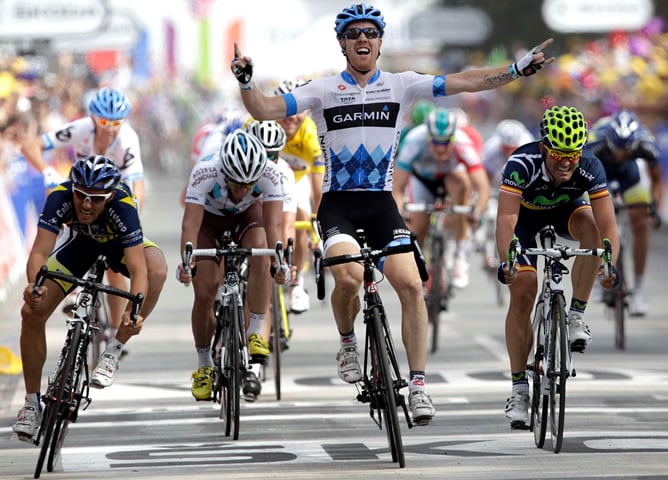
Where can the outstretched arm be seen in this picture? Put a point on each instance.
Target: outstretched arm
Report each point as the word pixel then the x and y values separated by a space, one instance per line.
pixel 488 78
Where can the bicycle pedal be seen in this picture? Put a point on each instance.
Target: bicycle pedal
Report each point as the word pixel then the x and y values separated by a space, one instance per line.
pixel 519 425
pixel 578 346
pixel 422 421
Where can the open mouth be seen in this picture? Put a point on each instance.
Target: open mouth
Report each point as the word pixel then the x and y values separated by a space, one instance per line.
pixel 363 51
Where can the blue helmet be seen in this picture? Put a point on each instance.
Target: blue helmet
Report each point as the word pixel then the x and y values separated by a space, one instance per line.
pixel 95 172
pixel 355 13
pixel 623 131
pixel 109 103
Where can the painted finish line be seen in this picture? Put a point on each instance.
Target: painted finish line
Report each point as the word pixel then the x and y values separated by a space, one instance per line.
pixel 235 453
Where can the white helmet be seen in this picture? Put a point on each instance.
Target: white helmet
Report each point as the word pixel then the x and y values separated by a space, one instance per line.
pixel 287 86
pixel 243 157
pixel 511 132
pixel 270 134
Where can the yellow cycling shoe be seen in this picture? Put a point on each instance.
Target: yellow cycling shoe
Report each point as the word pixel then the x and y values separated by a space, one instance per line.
pixel 202 380
pixel 258 348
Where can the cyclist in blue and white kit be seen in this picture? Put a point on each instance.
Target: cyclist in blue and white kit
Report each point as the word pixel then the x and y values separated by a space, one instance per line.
pixel 102 218
pixel 623 145
pixel 360 114
pixel 544 183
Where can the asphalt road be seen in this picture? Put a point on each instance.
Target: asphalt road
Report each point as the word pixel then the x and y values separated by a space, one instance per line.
pixel 147 425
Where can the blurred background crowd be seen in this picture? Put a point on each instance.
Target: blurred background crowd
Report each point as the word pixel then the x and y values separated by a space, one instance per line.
pixel 41 89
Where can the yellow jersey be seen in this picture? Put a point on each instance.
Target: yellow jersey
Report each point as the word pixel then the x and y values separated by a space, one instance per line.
pixel 302 152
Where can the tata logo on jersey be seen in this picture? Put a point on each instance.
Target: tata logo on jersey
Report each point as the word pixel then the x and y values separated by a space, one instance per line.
pixel 367 115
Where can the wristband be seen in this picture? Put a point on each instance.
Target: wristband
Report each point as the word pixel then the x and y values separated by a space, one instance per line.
pixel 246 86
pixel 513 71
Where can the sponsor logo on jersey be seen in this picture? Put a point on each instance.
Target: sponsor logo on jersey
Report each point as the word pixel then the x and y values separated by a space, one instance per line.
pixel 368 115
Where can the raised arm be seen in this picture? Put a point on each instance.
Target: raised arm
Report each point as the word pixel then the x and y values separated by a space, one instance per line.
pixel 259 105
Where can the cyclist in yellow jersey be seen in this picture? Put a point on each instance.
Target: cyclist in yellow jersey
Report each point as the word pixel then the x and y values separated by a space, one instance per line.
pixel 303 154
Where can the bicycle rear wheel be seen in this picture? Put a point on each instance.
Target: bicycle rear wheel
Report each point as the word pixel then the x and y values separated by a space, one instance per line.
pixel 384 384
pixel 437 291
pixel 56 403
pixel 558 371
pixel 539 405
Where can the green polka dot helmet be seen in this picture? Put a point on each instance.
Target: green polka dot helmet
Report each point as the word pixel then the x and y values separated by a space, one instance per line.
pixel 563 128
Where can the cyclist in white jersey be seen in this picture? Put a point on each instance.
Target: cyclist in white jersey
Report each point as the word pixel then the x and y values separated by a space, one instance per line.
pixel 104 132
pixel 231 188
pixel 359 114
pixel 508 135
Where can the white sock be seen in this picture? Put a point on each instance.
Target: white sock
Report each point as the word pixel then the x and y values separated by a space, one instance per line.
pixel 256 323
pixel 204 357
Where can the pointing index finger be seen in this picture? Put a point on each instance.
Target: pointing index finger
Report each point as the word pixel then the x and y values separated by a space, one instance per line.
pixel 237 53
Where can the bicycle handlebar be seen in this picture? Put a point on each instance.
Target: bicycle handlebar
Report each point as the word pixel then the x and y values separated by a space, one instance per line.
pixel 367 254
pixel 45 273
pixel 437 207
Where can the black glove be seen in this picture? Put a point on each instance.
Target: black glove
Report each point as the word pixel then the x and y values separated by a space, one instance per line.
pixel 243 74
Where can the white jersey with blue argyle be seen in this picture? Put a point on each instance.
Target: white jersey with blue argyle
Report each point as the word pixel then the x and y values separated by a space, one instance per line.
pixel 358 126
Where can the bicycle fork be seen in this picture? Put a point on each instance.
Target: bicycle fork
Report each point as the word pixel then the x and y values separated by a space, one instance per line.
pixel 555 289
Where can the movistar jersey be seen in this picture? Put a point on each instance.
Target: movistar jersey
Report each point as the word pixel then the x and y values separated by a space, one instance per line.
pixel 80 135
pixel 358 126
pixel 525 175
pixel 118 224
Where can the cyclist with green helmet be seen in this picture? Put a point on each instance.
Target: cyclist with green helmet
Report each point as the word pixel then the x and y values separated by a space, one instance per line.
pixel 544 183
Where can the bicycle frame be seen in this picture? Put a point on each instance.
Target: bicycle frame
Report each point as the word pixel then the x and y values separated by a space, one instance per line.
pixel 229 348
pixel 553 359
pixel 68 387
pixel 381 382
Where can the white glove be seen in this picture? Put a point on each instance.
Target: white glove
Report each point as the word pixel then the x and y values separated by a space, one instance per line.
pixel 51 178
pixel 525 66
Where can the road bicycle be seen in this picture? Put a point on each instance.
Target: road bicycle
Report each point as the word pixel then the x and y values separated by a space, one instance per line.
pixel 68 388
pixel 381 381
pixel 101 334
pixel 616 300
pixel 438 287
pixel 229 349
pixel 552 361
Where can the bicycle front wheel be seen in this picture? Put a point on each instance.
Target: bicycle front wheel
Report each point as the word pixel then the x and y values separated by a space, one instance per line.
pixel 539 402
pixel 619 309
pixel 384 383
pixel 558 371
pixel 231 366
pixel 56 403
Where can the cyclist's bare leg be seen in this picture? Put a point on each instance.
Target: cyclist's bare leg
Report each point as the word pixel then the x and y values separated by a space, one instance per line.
pixel 347 282
pixel 258 295
pixel 584 229
pixel 418 222
pixel 402 273
pixel 116 304
pixel 519 334
pixel 157 274
pixel 458 186
pixel 205 285
pixel 33 333
pixel 640 231
pixel 301 250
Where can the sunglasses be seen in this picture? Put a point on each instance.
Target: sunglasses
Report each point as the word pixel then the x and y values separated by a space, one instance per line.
pixel 561 156
pixel 106 123
pixel 232 184
pixel 95 198
pixel 369 32
pixel 441 142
